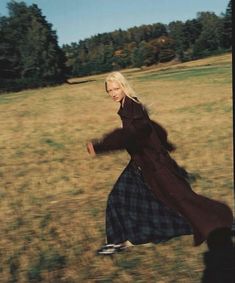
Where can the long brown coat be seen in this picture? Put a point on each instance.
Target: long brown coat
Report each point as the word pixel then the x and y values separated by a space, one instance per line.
pixel 148 147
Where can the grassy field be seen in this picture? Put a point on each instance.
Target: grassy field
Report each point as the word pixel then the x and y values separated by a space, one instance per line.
pixel 53 194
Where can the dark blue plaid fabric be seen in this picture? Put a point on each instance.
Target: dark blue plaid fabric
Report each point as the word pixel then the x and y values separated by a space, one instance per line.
pixel 134 214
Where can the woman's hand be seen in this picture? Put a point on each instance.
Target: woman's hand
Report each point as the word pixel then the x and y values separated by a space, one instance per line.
pixel 90 149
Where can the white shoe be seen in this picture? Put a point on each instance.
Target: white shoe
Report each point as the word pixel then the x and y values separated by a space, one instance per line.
pixel 109 249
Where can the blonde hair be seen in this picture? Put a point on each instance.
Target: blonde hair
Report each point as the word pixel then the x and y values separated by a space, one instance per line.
pixel 125 86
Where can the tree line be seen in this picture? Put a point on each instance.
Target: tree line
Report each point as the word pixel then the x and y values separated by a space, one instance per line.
pixel 31 57
pixel 145 45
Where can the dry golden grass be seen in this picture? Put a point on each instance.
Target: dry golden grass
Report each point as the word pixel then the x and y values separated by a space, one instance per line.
pixel 53 195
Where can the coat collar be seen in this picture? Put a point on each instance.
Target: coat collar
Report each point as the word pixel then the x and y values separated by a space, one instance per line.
pixel 125 110
pixel 130 109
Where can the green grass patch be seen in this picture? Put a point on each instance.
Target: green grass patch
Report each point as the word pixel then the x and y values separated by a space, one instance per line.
pixel 14 97
pixel 128 263
pixel 209 107
pixel 189 73
pixel 14 265
pixel 52 143
pixel 48 261
pixel 75 191
pixel 45 220
pixel 17 223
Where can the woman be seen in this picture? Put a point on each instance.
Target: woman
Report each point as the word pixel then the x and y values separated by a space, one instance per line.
pixel 152 200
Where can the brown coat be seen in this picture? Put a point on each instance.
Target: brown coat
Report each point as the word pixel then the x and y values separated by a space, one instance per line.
pixel 148 147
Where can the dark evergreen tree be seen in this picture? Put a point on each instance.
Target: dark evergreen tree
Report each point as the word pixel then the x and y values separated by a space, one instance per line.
pixel 184 36
pixel 210 39
pixel 227 27
pixel 29 47
pixel 137 59
pixel 9 55
pixel 176 32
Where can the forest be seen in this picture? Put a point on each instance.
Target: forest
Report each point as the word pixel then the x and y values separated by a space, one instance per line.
pixel 31 57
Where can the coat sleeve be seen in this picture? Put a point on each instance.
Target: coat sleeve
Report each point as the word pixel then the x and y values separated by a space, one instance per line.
pixel 115 140
pixel 130 138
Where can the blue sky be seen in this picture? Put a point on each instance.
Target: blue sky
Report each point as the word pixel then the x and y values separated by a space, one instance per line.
pixel 74 20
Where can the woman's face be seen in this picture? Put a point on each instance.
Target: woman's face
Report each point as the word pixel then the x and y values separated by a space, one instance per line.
pixel 115 91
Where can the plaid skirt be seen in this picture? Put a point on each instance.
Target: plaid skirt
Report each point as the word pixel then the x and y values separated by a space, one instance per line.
pixel 133 213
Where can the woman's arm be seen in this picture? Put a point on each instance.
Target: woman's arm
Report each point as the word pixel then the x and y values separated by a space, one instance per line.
pixel 130 138
pixel 115 140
